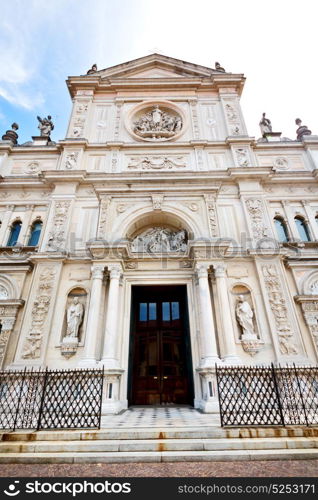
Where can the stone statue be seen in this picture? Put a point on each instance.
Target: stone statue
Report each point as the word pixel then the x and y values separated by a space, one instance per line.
pixel 302 130
pixel 218 67
pixel 265 125
pixel 157 124
pixel 92 70
pixel 45 125
pixel 11 135
pixel 74 317
pixel 244 316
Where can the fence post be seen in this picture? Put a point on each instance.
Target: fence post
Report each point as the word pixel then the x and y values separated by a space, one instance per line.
pixel 19 399
pixel 278 395
pixel 300 394
pixel 219 394
pixel 42 399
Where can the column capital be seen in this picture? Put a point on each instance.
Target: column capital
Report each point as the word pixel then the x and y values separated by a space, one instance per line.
pixel 201 270
pixel 220 270
pixel 97 271
pixel 115 271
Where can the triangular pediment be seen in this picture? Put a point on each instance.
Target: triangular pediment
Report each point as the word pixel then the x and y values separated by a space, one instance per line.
pixel 155 66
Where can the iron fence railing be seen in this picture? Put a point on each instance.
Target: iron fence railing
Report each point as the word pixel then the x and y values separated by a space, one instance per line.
pixel 267 395
pixel 51 399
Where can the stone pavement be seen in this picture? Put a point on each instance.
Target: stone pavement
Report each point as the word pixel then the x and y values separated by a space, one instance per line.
pixel 163 416
pixel 270 468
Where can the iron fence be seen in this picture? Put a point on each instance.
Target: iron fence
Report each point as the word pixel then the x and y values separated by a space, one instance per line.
pixel 267 395
pixel 50 399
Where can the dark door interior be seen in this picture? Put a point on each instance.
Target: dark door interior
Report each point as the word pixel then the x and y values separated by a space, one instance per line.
pixel 160 354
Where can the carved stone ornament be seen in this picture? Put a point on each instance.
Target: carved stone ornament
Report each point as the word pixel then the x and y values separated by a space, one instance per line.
pixel 103 214
pixel 3 292
pixel 33 168
pixel 310 311
pixel 314 288
pixel 242 157
pixel 157 200
pixel 71 160
pixel 78 127
pixel 281 163
pixel 8 312
pixel 157 123
pixel 279 310
pixel 255 210
pixel 57 235
pixel 157 162
pixel 160 240
pixel 32 345
pixel 211 209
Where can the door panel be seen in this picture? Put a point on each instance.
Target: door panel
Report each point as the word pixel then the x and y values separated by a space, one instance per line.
pixel 160 364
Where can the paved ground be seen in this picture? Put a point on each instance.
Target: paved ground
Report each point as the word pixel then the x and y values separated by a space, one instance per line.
pixel 282 468
pixel 167 416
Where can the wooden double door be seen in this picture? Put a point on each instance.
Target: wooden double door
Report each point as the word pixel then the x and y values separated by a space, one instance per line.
pixel 160 355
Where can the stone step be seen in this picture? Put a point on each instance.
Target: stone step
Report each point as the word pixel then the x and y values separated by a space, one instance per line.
pixel 160 433
pixel 156 445
pixel 160 456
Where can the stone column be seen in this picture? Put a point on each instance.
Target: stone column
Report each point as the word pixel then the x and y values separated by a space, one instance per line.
pixel 207 330
pixel 26 226
pixel 293 232
pixel 230 355
pixel 5 226
pixel 313 226
pixel 109 359
pixel 89 355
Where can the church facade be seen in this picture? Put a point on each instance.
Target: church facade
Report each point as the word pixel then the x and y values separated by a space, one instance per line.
pixel 158 238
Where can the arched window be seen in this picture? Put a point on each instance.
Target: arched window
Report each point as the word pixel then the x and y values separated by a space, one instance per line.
pixel 35 233
pixel 281 229
pixel 14 233
pixel 302 229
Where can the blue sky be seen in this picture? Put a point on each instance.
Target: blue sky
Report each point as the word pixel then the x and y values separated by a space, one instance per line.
pixel 273 43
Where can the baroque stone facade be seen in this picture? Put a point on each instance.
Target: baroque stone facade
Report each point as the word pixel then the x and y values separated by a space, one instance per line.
pixel 157 187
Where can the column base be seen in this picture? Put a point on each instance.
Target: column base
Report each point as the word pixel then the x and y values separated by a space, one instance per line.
pixel 109 363
pixel 210 362
pixel 113 407
pixel 232 360
pixel 88 363
pixel 209 406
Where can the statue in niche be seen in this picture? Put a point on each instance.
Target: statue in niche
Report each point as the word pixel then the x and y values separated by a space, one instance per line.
pixel 157 124
pixel 74 318
pixel 45 125
pixel 244 316
pixel 265 125
pixel 302 130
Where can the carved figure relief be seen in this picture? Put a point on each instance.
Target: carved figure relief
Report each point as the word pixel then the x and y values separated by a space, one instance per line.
pixel 57 237
pixel 157 162
pixel 255 211
pixel 160 240
pixel 157 124
pixel 3 293
pixel 74 313
pixel 71 160
pixel 314 288
pixel 279 310
pixel 78 127
pixel 233 118
pixel 242 157
pixel 33 342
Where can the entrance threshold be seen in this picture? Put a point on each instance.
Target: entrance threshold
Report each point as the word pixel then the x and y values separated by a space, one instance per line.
pixel 160 416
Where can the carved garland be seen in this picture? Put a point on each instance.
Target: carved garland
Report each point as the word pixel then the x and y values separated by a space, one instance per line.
pixel 57 236
pixel 103 213
pixel 256 210
pixel 212 216
pixel 33 342
pixel 279 310
pixel 310 310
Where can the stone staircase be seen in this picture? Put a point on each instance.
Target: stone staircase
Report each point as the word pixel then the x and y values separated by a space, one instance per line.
pixel 159 444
